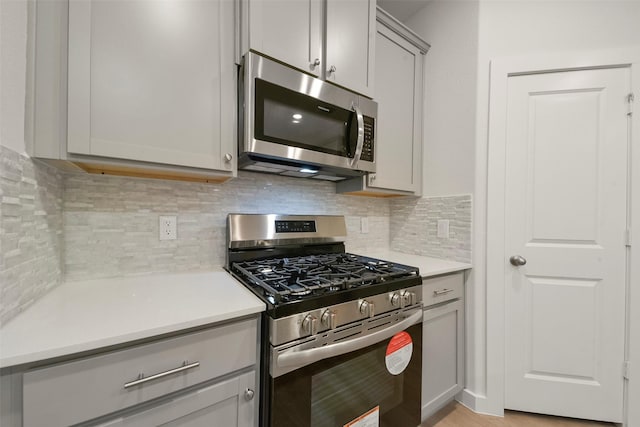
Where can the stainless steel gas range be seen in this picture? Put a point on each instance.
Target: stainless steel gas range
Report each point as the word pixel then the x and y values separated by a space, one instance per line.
pixel 342 333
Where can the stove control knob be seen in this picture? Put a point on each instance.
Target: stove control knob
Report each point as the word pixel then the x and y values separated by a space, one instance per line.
pixel 396 300
pixel 408 298
pixel 310 324
pixel 367 308
pixel 328 319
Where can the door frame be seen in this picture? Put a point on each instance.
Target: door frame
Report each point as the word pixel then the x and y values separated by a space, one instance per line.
pixel 501 70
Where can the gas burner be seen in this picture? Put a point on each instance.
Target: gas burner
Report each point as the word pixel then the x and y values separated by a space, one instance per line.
pixel 289 279
pixel 297 263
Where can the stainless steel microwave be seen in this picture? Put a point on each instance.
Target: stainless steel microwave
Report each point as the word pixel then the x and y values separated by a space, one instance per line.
pixel 294 124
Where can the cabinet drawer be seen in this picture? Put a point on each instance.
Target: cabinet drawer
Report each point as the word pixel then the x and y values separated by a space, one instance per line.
pixel 80 390
pixel 443 288
pixel 221 404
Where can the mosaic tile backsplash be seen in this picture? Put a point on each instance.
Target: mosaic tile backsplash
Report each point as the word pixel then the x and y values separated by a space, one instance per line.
pixel 414 226
pixel 57 227
pixel 31 235
pixel 111 223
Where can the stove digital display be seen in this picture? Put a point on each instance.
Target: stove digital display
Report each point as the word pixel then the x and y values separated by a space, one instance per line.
pixel 295 226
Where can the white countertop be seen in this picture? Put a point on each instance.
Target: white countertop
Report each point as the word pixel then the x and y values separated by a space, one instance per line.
pixel 87 315
pixel 91 314
pixel 428 266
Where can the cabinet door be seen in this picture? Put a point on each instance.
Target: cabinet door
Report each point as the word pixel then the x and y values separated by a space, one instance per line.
pixel 223 404
pixel 219 351
pixel 287 30
pixel 350 38
pixel 153 81
pixel 442 355
pixel 399 123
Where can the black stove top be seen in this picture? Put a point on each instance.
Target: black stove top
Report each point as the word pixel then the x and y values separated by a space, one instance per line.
pixel 298 263
pixel 293 284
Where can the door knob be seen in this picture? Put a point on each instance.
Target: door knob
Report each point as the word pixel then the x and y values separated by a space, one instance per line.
pixel 517 260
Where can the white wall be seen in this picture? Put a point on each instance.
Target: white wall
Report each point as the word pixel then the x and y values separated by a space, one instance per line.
pixel 515 28
pixel 465 35
pixel 450 27
pixel 13 57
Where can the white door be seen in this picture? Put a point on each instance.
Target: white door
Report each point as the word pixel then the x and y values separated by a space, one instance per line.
pixel 566 195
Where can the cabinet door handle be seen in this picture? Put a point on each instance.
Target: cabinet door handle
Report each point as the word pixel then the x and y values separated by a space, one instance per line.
pixel 441 292
pixel 142 379
pixel 331 70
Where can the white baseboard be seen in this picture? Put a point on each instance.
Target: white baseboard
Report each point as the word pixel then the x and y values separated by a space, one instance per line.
pixel 477 403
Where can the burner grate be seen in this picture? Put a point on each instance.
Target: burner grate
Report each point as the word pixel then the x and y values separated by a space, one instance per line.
pixel 294 278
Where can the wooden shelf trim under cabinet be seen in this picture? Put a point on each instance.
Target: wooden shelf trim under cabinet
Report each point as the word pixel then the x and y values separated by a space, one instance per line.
pixel 141 172
pixel 372 194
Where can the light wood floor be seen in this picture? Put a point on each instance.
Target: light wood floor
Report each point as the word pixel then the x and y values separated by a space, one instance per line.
pixel 456 415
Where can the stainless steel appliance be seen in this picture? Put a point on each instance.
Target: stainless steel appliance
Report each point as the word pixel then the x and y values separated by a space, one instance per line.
pixel 294 124
pixel 342 333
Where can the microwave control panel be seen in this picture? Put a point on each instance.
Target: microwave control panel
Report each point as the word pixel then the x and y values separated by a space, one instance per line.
pixel 367 146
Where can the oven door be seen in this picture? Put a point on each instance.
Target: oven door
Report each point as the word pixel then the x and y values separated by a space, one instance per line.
pixel 374 381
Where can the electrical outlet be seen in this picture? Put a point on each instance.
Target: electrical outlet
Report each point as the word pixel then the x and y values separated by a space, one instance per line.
pixel 443 228
pixel 168 229
pixel 364 225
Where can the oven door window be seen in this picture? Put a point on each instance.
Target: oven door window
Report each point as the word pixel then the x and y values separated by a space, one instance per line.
pixel 290 118
pixel 336 391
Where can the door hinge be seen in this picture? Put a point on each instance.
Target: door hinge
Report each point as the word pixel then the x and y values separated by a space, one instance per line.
pixel 627 238
pixel 630 99
pixel 626 370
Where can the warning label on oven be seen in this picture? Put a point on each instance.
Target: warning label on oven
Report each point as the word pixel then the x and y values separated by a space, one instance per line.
pixel 370 418
pixel 399 352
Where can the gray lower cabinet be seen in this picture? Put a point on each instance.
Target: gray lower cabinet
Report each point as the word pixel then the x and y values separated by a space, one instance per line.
pixel 206 377
pixel 229 403
pixel 442 341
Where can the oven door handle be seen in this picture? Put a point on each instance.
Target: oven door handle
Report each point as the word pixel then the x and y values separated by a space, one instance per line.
pixel 306 357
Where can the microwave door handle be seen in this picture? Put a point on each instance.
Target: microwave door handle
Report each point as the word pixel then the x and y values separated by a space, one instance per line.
pixel 298 359
pixel 360 141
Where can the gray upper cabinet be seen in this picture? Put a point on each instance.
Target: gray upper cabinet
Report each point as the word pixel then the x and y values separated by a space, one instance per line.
pixel 290 31
pixel 342 51
pixel 149 86
pixel 399 92
pixel 350 39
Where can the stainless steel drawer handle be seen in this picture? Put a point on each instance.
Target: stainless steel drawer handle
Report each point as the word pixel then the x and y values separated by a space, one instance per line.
pixel 441 292
pixel 142 379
